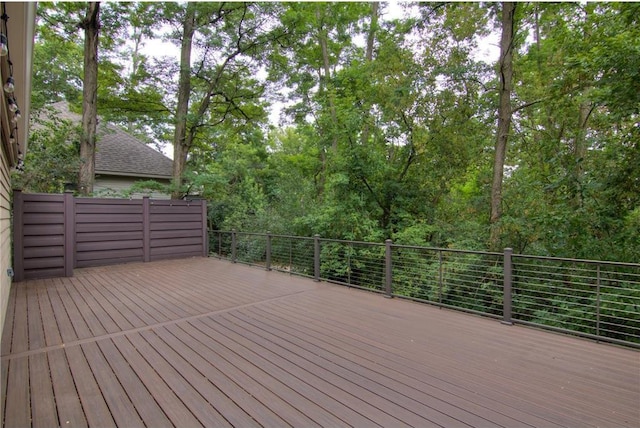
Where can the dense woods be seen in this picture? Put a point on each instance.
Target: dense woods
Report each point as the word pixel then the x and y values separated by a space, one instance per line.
pixel 387 128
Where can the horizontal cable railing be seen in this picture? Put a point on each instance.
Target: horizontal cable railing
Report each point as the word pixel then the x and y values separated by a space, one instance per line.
pixel 596 299
pixel 466 280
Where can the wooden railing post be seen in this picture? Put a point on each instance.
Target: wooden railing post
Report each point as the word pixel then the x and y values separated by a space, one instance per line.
pixel 233 245
pixel 146 229
pixel 507 294
pixel 205 230
pixel 69 233
pixel 268 261
pixel 18 236
pixel 388 269
pixel 316 258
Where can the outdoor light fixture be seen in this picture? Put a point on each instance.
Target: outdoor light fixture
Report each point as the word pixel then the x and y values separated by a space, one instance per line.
pixel 10 86
pixel 13 105
pixel 4 45
pixel 16 116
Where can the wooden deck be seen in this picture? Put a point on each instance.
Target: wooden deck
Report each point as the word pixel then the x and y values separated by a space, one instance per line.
pixel 204 342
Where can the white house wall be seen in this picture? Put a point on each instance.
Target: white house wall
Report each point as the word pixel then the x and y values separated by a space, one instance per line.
pixel 5 237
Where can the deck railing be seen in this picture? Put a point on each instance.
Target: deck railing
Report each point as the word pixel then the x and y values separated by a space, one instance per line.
pixel 595 299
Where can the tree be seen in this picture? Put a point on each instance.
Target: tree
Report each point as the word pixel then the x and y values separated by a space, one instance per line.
pixel 91 25
pixel 504 119
pixel 233 37
pixel 52 161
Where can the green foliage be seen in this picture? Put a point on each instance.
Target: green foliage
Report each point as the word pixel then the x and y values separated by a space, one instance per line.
pixel 52 159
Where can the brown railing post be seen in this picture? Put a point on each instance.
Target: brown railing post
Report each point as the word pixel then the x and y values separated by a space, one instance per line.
pixel 69 233
pixel 598 303
pixel 233 245
pixel 440 276
pixel 268 262
pixel 18 236
pixel 146 229
pixel 388 268
pixel 507 295
pixel 205 230
pixel 316 258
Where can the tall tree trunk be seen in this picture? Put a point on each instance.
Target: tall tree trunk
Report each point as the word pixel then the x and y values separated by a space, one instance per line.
pixel 324 48
pixel 369 58
pixel 91 26
pixel 180 144
pixel 580 150
pixel 504 120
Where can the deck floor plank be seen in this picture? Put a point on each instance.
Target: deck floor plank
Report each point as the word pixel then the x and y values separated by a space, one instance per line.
pixel 70 412
pixel 483 368
pixel 43 405
pixel 379 404
pixel 136 307
pixel 269 391
pixel 4 378
pixel 142 400
pixel 36 331
pixel 100 290
pixel 377 388
pixel 93 402
pixel 115 396
pixel 63 323
pixel 205 342
pixel 20 335
pixel 207 388
pixel 427 390
pixel 223 379
pixel 48 318
pixel 93 301
pixel 329 396
pixel 299 396
pixel 79 323
pixel 17 411
pixel 197 404
pixel 480 378
pixel 171 404
pixel 82 303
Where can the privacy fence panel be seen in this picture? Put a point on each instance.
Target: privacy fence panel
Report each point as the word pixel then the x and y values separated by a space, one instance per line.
pixel 108 231
pixel 55 233
pixel 39 235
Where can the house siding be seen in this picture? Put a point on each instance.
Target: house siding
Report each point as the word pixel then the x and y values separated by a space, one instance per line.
pixel 5 236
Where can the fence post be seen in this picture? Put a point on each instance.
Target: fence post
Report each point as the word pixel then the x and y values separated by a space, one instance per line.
pixel 316 258
pixel 18 244
pixel 205 229
pixel 146 229
pixel 233 245
pixel 388 269
pixel 69 233
pixel 268 250
pixel 507 295
pixel 440 277
pixel 598 303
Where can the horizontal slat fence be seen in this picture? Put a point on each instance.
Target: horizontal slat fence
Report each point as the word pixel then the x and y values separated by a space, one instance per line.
pixel 55 233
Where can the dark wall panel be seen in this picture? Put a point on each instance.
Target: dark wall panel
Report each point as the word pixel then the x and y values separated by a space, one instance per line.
pixel 99 221
pixel 42 234
pixel 56 233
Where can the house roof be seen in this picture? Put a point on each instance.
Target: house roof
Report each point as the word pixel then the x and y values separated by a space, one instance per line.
pixel 119 153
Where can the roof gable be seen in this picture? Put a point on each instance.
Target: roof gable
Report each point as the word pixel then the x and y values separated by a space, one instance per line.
pixel 119 153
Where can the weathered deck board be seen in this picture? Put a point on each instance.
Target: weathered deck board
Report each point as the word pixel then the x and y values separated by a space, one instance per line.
pixel 203 342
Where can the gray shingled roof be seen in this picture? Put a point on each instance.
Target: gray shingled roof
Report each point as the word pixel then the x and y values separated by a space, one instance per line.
pixel 118 153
